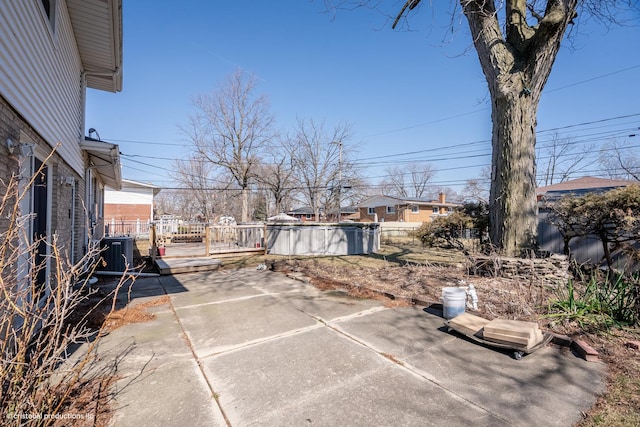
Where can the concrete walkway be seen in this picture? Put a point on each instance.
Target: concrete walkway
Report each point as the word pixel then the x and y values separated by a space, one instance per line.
pixel 252 347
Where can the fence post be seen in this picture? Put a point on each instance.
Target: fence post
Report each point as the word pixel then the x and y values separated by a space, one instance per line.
pixel 152 242
pixel 207 237
pixel 265 241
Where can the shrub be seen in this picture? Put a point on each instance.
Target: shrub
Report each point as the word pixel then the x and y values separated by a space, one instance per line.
pixel 602 300
pixel 445 231
pixel 37 382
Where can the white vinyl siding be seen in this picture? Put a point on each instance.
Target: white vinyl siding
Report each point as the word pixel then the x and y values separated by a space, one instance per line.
pixel 129 196
pixel 41 74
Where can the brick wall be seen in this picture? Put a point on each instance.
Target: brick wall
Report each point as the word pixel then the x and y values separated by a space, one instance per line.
pixel 381 211
pixel 8 163
pixel 126 212
pixel 12 125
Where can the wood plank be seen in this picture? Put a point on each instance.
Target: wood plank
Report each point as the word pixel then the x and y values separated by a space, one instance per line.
pixel 515 328
pixel 526 334
pixel 468 324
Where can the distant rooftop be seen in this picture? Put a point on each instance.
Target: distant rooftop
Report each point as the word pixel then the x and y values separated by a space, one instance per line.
pixel 584 183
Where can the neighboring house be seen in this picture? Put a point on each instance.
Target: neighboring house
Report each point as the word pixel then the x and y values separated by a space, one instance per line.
pixel 347 213
pixel 304 214
pixel 129 211
pixel 133 202
pixel 387 208
pixel 580 186
pixel 51 51
pixel 583 249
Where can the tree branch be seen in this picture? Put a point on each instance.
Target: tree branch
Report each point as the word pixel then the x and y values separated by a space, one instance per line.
pixel 410 4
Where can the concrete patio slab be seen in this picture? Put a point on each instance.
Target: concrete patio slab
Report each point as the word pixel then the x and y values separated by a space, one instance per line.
pixel 214 327
pixel 329 305
pixel 339 383
pixel 543 388
pixel 172 394
pixel 262 349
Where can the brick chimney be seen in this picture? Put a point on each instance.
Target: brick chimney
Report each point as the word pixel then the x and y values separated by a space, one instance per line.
pixel 442 199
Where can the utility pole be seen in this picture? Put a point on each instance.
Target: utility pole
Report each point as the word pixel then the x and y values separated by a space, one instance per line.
pixel 339 180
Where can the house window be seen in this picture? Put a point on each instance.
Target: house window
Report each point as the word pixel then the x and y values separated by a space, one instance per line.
pixel 49 8
pixel 371 211
pixel 415 209
pixel 308 216
pixel 436 210
pixel 391 209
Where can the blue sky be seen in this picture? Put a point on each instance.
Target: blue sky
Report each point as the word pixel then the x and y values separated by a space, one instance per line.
pixel 402 91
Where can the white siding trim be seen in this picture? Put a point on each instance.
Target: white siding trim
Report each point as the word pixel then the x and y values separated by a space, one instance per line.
pixel 128 196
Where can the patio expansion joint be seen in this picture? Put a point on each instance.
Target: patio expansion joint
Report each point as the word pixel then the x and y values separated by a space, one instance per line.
pixel 412 370
pixel 252 343
pixel 244 298
pixel 198 361
pixel 320 323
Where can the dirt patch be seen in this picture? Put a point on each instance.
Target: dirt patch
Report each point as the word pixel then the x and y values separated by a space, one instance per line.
pixel 498 297
pixel 133 314
pixel 88 404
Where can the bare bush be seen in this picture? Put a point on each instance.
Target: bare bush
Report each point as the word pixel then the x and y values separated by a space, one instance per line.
pixel 40 322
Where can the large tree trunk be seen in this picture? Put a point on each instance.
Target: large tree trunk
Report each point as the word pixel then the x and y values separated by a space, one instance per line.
pixel 513 206
pixel 516 65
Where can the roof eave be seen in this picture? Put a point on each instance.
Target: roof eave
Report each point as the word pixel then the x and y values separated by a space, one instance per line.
pixel 104 158
pixel 97 25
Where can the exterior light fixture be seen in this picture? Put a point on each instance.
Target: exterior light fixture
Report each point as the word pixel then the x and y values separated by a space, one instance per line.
pixel 10 145
pixel 23 149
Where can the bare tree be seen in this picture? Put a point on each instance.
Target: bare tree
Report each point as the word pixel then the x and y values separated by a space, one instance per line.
pixel 560 158
pixel 164 203
pixel 276 176
pixel 315 156
pixel 517 43
pixel 477 189
pixel 195 176
pixel 411 180
pixel 230 129
pixel 620 160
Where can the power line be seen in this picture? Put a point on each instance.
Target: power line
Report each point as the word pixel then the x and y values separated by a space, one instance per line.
pixel 455 116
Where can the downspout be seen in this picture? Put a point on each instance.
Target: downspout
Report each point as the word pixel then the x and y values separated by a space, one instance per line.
pixel 85 229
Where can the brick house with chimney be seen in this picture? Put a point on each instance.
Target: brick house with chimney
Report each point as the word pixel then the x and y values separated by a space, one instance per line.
pixel 389 208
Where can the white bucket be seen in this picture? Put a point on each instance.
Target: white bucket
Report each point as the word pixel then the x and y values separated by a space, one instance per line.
pixel 453 301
